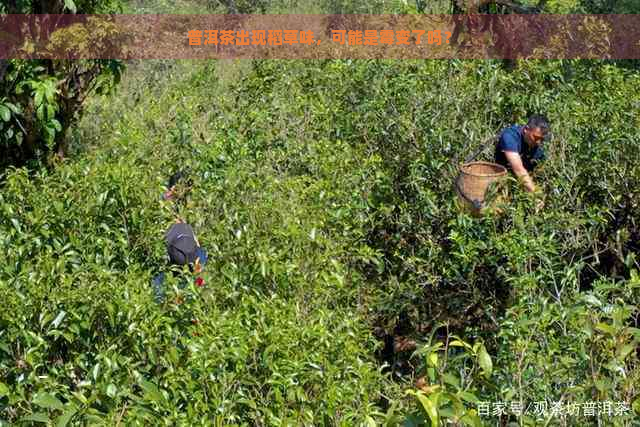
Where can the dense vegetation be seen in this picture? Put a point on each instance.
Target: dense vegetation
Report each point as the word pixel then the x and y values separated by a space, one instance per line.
pixel 40 100
pixel 344 287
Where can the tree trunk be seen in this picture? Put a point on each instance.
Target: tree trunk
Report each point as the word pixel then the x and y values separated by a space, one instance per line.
pixel 4 64
pixel 70 105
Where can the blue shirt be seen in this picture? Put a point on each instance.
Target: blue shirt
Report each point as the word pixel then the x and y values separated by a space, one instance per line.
pixel 512 139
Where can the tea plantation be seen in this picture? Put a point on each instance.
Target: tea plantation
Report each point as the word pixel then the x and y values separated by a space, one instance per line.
pixel 344 284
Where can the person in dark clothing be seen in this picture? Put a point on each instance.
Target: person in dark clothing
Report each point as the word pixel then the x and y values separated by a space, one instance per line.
pixel 519 148
pixel 183 249
pixel 173 192
pixel 183 246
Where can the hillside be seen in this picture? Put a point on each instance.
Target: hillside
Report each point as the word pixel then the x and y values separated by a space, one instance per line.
pixel 344 284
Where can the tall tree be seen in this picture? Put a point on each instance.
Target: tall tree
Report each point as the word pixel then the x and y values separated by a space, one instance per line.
pixel 41 99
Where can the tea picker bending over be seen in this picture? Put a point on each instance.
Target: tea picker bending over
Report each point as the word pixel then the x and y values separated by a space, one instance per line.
pixel 519 148
pixel 183 248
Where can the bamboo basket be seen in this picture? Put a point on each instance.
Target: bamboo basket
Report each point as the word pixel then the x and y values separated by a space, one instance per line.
pixel 473 181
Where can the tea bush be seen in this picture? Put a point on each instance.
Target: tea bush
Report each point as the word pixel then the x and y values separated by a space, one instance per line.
pixel 427 263
pixel 83 340
pixel 322 191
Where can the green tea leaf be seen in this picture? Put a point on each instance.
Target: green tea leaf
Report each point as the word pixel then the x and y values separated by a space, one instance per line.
pixel 625 350
pixel 606 328
pixel 38 98
pixel 12 107
pixel 64 419
pixel 69 4
pixel 433 359
pixel 472 419
pixel 39 417
pixel 429 408
pixel 455 401
pixel 151 391
pixel 111 390
pixel 48 401
pixel 96 371
pixel 485 361
pixel 370 422
pixel 5 113
pixel 56 322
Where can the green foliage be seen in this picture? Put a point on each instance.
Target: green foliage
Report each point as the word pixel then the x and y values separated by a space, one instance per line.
pixel 273 337
pixel 240 6
pixel 424 261
pixel 41 99
pixel 447 391
pixel 306 6
pixel 586 6
pixel 62 6
pixel 323 194
pixel 44 94
pixel 604 6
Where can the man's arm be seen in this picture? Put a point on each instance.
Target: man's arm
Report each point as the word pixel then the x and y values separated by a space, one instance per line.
pixel 518 168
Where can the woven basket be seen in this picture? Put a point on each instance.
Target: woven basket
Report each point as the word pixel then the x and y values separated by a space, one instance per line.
pixel 473 181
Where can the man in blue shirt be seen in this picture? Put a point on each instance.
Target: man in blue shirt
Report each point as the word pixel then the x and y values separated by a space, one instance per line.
pixel 520 148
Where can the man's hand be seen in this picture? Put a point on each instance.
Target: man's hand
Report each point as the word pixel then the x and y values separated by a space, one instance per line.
pixel 521 172
pixel 197 267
